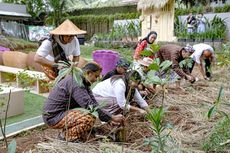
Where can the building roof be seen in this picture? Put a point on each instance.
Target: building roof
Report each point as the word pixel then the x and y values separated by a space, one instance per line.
pixel 14 10
pixel 147 4
pixel 130 1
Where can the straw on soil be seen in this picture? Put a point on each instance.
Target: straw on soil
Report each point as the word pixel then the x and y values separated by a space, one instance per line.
pixel 186 111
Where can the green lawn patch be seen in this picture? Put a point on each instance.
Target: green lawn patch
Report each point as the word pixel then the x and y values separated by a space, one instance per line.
pixel 33 106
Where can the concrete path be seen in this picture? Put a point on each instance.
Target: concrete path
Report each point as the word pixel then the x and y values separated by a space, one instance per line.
pixel 25 125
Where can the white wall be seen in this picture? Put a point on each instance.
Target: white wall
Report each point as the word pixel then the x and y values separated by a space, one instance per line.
pixel 210 16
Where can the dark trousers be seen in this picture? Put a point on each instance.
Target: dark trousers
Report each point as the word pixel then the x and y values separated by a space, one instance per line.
pixel 207 67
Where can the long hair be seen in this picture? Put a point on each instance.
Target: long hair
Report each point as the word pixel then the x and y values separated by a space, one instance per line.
pixel 130 75
pixel 147 37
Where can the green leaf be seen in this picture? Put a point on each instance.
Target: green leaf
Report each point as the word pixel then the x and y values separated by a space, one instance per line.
pixel 155 80
pixel 211 111
pixel 101 105
pixel 165 65
pixel 60 76
pixel 146 53
pixel 157 61
pixel 12 146
pixel 154 66
pixel 95 113
pixel 224 114
pixel 86 111
pixel 77 77
pixel 219 95
pixel 228 105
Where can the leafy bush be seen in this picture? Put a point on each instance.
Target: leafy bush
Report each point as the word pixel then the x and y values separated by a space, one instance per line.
pixel 215 29
pixel 25 80
pixel 225 8
pixel 200 9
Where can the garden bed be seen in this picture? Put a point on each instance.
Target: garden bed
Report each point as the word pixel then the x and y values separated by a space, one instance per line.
pixel 186 111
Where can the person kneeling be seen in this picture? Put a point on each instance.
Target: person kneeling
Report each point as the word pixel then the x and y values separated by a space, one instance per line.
pixel 118 91
pixel 59 113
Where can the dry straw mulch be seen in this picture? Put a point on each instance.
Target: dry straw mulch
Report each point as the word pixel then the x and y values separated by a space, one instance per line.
pixel 186 111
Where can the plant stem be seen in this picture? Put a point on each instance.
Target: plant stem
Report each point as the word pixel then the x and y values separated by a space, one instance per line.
pixel 123 131
pixel 160 141
pixel 3 134
pixel 163 97
pixel 3 127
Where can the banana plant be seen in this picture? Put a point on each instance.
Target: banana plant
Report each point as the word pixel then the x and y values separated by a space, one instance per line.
pixel 69 68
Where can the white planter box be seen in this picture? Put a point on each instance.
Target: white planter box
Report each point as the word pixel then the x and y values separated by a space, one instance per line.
pixel 16 104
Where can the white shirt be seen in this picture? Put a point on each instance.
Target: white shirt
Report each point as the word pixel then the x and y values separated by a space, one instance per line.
pixel 199 48
pixel 72 48
pixel 117 90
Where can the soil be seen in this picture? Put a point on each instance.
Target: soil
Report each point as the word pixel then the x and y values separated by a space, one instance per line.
pixel 27 140
pixel 137 127
pixel 185 111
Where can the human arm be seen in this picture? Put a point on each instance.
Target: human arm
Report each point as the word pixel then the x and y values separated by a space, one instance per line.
pixel 117 119
pixel 84 98
pixel 76 59
pixel 201 69
pixel 176 67
pixel 119 91
pixel 140 47
pixel 140 101
pixel 76 51
pixel 43 61
pixel 43 52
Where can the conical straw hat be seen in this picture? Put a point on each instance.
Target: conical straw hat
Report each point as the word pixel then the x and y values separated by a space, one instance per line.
pixel 67 28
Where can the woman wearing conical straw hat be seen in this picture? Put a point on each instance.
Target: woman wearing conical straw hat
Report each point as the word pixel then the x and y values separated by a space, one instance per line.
pixel 62 44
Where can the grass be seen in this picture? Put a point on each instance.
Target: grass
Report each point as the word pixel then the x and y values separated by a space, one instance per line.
pixel 33 107
pixel 220 134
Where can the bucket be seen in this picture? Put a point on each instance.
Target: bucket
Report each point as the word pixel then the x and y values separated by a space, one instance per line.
pixel 106 58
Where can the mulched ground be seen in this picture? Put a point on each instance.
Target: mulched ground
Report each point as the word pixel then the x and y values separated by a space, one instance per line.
pixel 185 110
